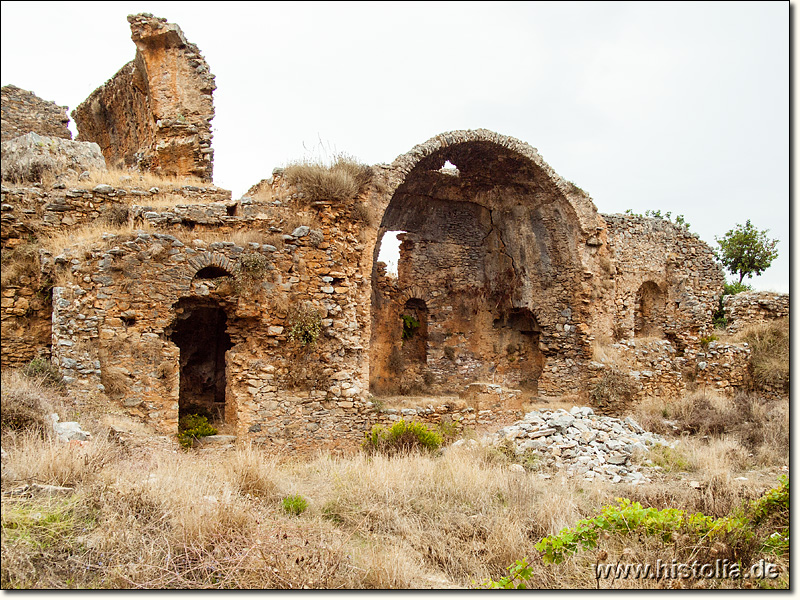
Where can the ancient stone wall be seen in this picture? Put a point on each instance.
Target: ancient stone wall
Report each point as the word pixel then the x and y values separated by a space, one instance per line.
pixel 507 257
pixel 155 113
pixel 24 112
pixel 656 369
pixel 667 281
pixel 271 314
pixel 116 314
pixel 749 308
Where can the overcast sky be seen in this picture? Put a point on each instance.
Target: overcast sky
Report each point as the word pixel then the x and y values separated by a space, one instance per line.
pixel 682 107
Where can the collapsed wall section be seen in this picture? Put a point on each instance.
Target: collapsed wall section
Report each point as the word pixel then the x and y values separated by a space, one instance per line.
pixel 668 284
pixel 750 308
pixel 24 112
pixel 155 113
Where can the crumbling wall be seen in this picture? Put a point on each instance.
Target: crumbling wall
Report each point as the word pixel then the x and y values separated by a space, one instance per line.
pixel 24 112
pixel 653 368
pixel 499 236
pixel 115 314
pixel 655 254
pixel 155 113
pixel 748 308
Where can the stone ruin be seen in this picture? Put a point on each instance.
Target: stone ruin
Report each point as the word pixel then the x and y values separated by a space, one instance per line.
pixel 272 314
pixel 24 112
pixel 155 113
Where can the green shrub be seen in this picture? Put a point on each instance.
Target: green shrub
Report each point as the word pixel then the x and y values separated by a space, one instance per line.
pixel 193 427
pixel 305 325
pixel 401 437
pixel 668 458
pixel 410 326
pixel 705 341
pixel 294 505
pixel 738 529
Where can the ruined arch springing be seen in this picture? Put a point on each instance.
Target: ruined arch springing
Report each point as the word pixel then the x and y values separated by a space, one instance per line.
pixel 211 272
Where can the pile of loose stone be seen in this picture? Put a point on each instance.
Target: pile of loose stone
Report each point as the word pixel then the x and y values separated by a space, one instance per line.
pixel 580 443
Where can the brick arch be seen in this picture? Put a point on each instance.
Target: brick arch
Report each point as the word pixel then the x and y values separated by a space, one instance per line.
pixel 209 259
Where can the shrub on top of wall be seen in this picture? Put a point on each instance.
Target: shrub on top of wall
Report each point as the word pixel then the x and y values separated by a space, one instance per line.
pixel 343 180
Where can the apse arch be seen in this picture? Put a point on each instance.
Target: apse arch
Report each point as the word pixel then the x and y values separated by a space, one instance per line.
pixel 490 229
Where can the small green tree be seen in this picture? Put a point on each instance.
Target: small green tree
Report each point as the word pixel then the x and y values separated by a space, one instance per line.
pixel 745 251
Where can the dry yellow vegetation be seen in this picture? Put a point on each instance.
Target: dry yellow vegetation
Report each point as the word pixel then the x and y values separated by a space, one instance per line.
pixel 143 514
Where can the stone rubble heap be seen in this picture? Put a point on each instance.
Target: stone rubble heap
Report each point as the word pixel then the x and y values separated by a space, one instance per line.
pixel 580 443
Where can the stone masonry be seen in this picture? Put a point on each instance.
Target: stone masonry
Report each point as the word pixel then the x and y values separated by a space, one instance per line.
pixel 271 314
pixel 748 308
pixel 24 112
pixel 155 113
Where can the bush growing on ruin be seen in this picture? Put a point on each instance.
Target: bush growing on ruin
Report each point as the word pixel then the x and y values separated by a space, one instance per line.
pixel 22 261
pixel 305 324
pixel 613 387
pixel 341 181
pixel 401 437
pixel 657 214
pixel 193 427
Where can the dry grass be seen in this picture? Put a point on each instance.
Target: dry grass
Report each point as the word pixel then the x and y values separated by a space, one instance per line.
pixel 125 178
pixel 143 515
pixel 18 263
pixel 603 351
pixel 769 344
pixel 341 181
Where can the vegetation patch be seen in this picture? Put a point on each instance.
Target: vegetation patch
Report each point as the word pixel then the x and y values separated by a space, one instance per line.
pixel 294 505
pixel 305 324
pixel 402 437
pixel 193 427
pixel 613 387
pixel 343 180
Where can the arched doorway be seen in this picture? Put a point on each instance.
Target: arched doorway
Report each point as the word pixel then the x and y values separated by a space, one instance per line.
pixel 200 332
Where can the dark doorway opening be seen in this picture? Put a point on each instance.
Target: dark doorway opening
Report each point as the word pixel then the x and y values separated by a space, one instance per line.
pixel 200 333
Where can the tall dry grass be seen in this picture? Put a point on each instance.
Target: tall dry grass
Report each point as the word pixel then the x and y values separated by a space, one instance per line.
pixel 342 180
pixel 144 515
pixel 130 178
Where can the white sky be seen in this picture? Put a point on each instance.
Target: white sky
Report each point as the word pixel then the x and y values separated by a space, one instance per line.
pixel 682 107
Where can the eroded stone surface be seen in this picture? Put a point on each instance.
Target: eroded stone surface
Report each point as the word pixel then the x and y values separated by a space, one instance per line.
pixel 155 113
pixel 748 308
pixel 33 158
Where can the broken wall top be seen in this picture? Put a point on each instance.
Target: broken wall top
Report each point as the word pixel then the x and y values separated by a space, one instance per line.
pixel 155 113
pixel 24 112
